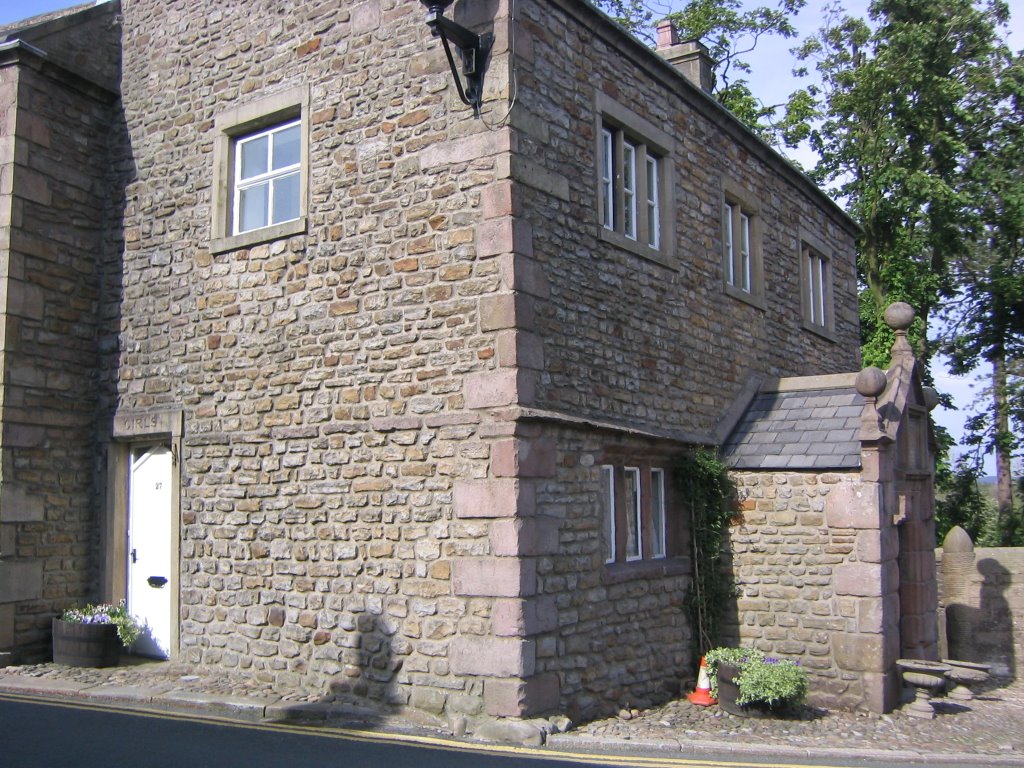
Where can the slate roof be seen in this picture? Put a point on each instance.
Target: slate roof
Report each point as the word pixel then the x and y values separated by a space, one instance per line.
pixel 807 429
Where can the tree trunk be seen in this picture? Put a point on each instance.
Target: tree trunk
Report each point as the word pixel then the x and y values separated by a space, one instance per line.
pixel 1003 439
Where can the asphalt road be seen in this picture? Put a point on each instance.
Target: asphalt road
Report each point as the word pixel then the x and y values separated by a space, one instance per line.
pixel 37 733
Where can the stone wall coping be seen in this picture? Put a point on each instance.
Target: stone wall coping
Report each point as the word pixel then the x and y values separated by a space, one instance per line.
pixel 54 21
pixel 803 383
pixel 14 52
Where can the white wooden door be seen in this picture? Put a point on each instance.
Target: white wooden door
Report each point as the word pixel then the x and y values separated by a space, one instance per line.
pixel 151 585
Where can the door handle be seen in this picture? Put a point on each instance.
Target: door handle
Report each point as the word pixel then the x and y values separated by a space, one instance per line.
pixel 134 558
pixel 156 581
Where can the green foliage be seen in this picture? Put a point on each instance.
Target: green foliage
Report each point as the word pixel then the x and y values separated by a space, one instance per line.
pixel 762 679
pixel 704 486
pixel 730 31
pixel 985 320
pixel 960 502
pixel 633 15
pixel 128 628
pixel 901 106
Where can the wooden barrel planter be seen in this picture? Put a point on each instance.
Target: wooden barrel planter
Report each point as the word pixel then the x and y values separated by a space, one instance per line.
pixel 85 645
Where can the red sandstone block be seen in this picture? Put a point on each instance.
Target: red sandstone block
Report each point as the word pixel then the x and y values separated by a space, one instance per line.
pixel 529 537
pixel 877 616
pixel 523 458
pixel 524 275
pixel 514 697
pixel 860 579
pixel 499 200
pixel 498 312
pixel 365 18
pixel 494 577
pixel 855 506
pixel 864 653
pixel 503 497
pixel 504 235
pixel 878 546
pixel 520 349
pixel 466 149
pixel 523 617
pixel 493 656
pixel 493 389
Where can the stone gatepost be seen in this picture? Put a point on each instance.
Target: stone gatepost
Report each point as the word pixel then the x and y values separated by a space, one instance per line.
pixel 870 585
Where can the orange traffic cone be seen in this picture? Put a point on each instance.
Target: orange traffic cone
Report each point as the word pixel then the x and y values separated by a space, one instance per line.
pixel 702 696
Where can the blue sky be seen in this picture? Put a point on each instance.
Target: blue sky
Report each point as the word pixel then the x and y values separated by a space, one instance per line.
pixel 770 81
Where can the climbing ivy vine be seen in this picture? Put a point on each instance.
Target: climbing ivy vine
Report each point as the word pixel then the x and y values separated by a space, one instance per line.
pixel 703 483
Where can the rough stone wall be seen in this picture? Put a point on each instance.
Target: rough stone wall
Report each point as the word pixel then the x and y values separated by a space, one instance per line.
pixel 984 608
pixel 805 585
pixel 622 636
pixel 53 133
pixel 623 338
pixel 323 377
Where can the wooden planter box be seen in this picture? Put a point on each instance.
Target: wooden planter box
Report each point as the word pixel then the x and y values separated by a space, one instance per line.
pixel 85 645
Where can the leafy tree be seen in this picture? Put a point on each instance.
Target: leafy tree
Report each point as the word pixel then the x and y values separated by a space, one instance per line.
pixel 962 503
pixel 897 103
pixel 986 322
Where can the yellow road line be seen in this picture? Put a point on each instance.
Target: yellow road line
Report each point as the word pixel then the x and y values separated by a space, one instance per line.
pixel 429 742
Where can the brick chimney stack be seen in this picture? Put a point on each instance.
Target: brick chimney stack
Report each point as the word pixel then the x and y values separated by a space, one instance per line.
pixel 690 57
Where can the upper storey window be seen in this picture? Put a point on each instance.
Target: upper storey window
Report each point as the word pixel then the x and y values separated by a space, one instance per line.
pixel 742 266
pixel 630 188
pixel 816 285
pixel 261 158
pixel 267 177
pixel 633 182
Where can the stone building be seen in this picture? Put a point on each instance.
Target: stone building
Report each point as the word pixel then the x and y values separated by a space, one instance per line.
pixel 832 550
pixel 346 389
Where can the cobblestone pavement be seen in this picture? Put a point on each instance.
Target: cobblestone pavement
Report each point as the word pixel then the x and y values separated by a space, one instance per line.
pixel 992 724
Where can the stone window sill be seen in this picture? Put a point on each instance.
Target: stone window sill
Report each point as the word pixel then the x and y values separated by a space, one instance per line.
pixel 618 573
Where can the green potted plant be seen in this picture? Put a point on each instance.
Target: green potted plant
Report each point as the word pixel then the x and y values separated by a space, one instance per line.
pixel 94 635
pixel 746 682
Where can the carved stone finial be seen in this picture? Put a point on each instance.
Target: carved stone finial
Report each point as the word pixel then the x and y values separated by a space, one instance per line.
pixel 931 397
pixel 871 382
pixel 899 315
pixel 957 540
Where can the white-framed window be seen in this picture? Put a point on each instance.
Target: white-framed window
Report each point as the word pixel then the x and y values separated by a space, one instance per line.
pixel 741 248
pixel 268 171
pixel 633 173
pixel 607 191
pixel 629 177
pixel 634 513
pixel 816 288
pixel 261 159
pixel 653 204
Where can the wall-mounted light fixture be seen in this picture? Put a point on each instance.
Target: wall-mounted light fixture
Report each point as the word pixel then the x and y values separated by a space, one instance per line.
pixel 474 51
